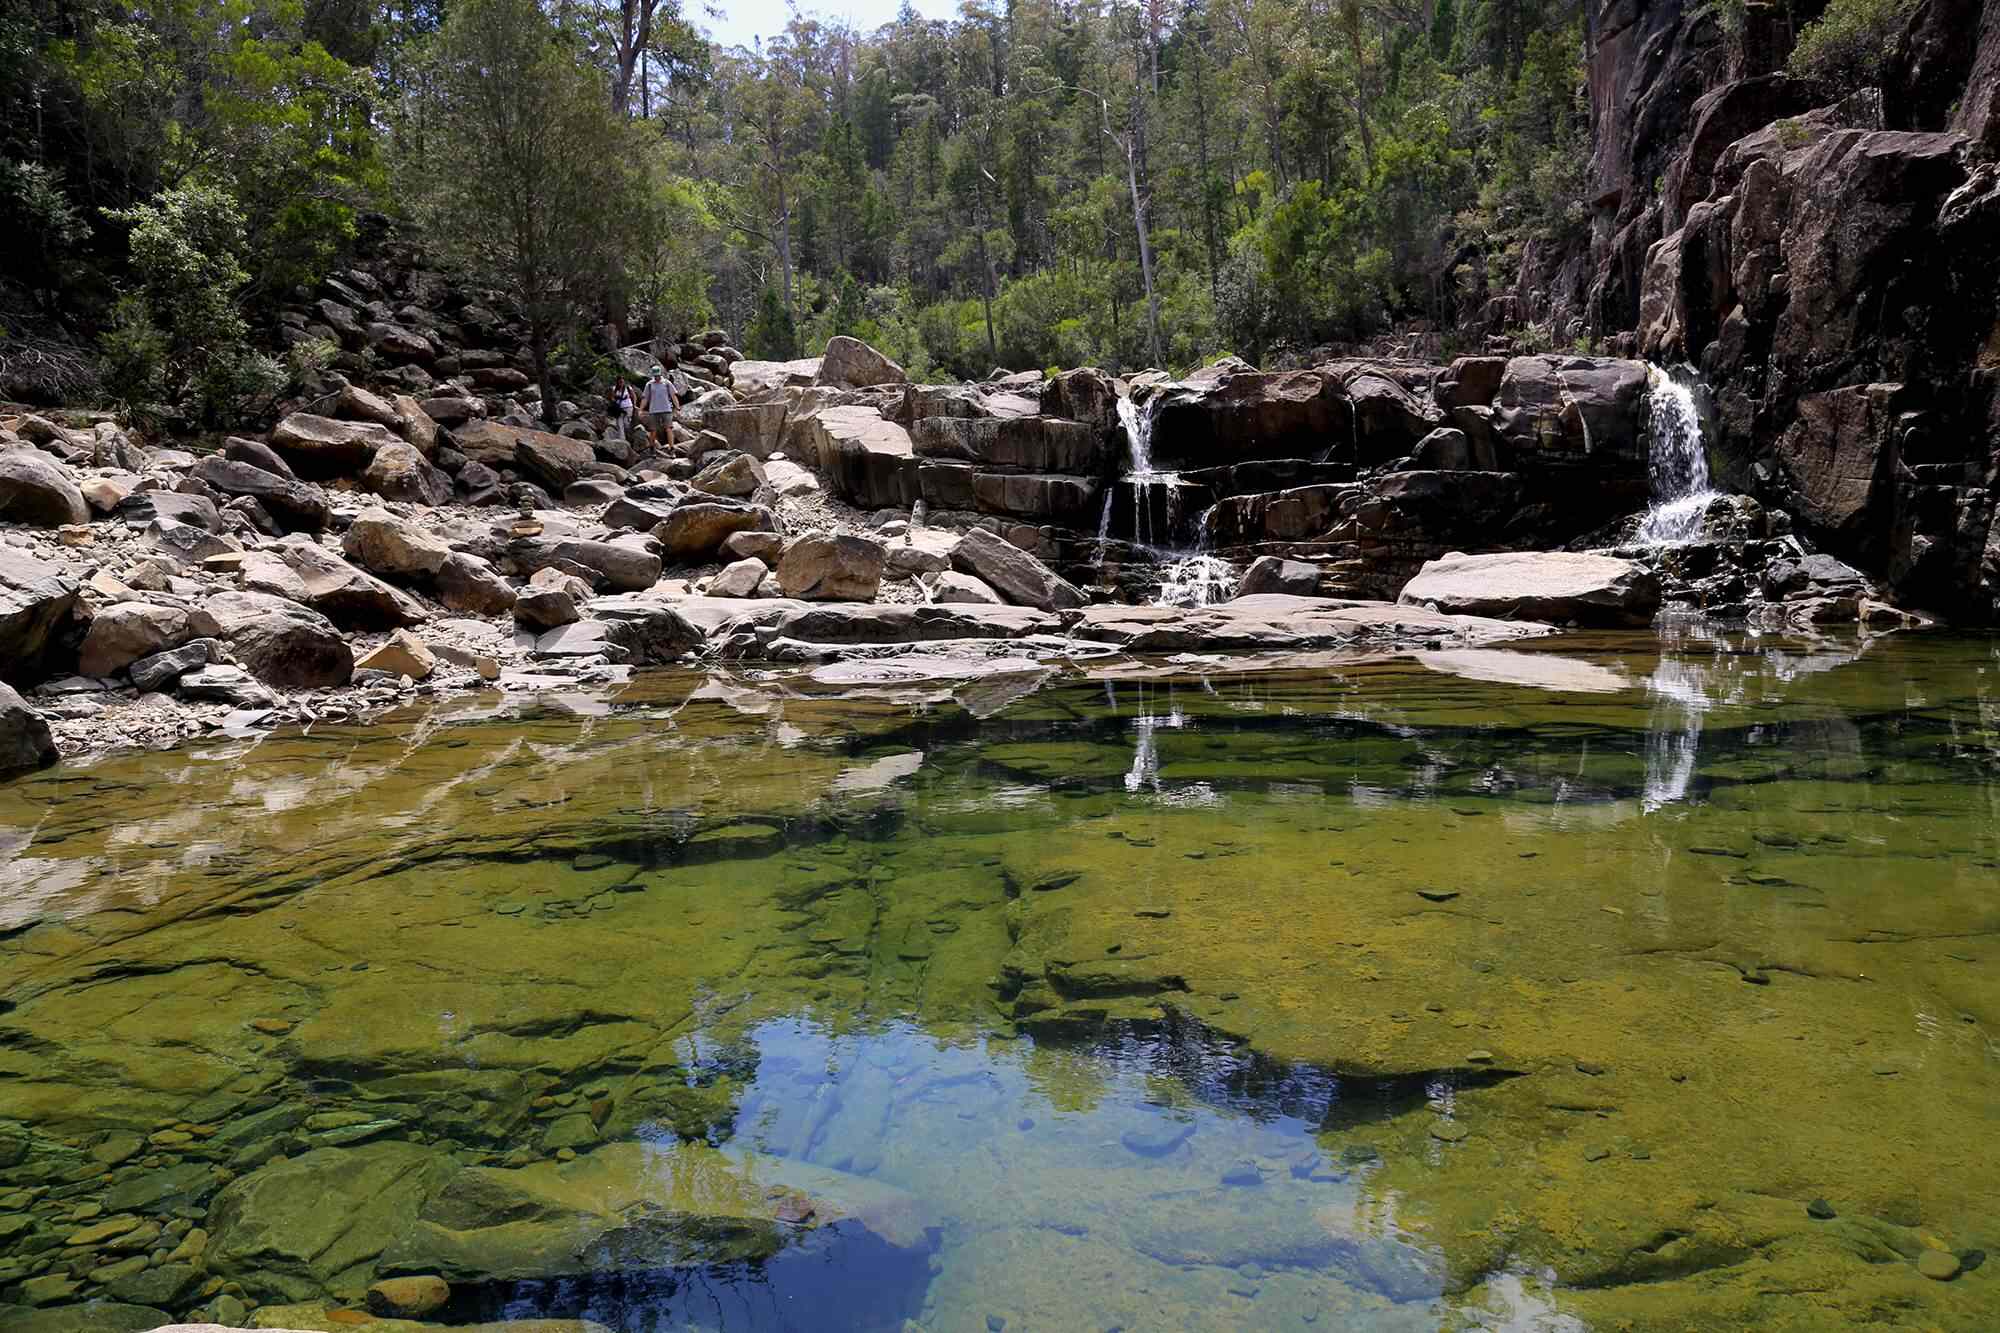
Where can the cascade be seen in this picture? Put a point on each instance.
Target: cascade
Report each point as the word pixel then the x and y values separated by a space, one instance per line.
pixel 1187 578
pixel 1679 463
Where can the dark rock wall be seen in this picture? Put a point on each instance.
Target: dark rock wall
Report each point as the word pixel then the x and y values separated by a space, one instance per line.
pixel 1829 260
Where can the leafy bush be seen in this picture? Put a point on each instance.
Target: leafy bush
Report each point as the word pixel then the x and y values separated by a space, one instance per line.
pixel 178 338
pixel 1847 47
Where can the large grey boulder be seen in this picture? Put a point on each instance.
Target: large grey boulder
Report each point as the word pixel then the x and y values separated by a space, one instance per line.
pixel 949 587
pixel 124 632
pixel 320 447
pixel 755 428
pixel 555 461
pixel 695 532
pixel 296 505
pixel 141 508
pixel 37 490
pixel 401 472
pixel 25 741
pixel 1013 573
pixel 854 364
pixel 1538 585
pixel 626 565
pixel 385 544
pixel 1270 573
pixel 737 477
pixel 869 461
pixel 467 584
pixel 281 642
pixel 37 603
pixel 758 381
pixel 821 568
pixel 352 598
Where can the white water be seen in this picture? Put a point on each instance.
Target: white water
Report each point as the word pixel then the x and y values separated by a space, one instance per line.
pixel 1678 466
pixel 1187 578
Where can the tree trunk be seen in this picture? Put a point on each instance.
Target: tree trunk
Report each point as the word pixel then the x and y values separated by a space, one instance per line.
pixel 1145 242
pixel 986 278
pixel 538 346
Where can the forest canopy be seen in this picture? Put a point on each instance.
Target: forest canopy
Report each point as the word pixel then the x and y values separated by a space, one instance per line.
pixel 1031 183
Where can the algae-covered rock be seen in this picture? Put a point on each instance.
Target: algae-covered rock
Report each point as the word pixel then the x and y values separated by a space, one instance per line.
pixel 316 1223
pixel 637 1207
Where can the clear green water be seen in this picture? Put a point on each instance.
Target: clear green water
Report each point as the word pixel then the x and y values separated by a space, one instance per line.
pixel 1541 988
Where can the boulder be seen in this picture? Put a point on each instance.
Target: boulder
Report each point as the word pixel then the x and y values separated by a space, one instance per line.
pixel 467 584
pixel 1230 412
pixel 319 1221
pixel 546 608
pixel 419 427
pixel 385 544
pixel 759 381
pixel 320 447
pixel 258 455
pixel 789 479
pixel 1538 585
pixel 354 403
pixel 163 669
pixel 765 547
pixel 401 472
pixel 408 1297
pixel 594 491
pixel 650 633
pixel 640 1207
pixel 820 568
pixel 853 364
pixel 350 597
pixel 951 587
pixel 637 512
pixel 755 428
pixel 624 567
pixel 141 508
pixel 1085 394
pixel 739 580
pixel 1017 576
pixel 403 655
pixel 104 494
pixel 868 461
pixel 37 603
pixel 186 544
pixel 25 740
pixel 1566 411
pixel 1270 573
pixel 737 477
pixel 555 461
pixel 1030 444
pixel 124 632
pixel 37 490
pixel 281 642
pixel 296 506
pixel 694 532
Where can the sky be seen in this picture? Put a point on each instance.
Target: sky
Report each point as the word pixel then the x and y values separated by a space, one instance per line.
pixel 742 21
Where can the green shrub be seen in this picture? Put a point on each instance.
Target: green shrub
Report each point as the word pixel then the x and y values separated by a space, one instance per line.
pixel 1847 47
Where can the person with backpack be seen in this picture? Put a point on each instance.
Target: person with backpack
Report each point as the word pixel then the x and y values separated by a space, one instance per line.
pixel 622 407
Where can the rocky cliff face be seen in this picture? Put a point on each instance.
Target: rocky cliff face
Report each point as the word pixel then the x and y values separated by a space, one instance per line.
pixel 1831 264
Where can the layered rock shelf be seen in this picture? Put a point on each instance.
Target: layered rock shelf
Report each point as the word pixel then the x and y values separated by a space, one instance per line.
pixel 426 532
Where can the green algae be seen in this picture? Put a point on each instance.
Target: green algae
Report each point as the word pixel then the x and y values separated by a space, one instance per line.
pixel 1603 985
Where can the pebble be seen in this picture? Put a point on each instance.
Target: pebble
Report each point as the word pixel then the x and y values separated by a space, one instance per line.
pixel 277 1027
pixel 1437 895
pixel 1820 1210
pixel 1938 1265
pixel 1479 1057
pixel 1242 1174
pixel 1450 1131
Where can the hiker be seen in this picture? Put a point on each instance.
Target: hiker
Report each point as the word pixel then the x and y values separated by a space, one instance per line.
pixel 660 403
pixel 621 407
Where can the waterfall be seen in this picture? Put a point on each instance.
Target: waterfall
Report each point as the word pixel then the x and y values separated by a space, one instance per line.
pixel 1679 463
pixel 1188 578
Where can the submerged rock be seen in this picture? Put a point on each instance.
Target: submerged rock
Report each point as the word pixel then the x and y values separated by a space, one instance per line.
pixel 637 1207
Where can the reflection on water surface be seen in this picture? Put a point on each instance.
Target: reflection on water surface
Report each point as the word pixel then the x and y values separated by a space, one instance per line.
pixel 1601 983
